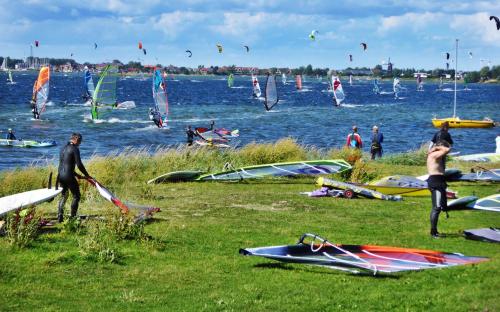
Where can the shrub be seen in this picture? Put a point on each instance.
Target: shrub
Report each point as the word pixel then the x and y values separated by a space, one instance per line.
pixel 23 228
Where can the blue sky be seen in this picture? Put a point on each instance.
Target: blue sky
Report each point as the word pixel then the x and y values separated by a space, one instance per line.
pixel 414 33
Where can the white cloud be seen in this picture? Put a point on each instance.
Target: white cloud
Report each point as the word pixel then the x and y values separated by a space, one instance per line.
pixel 415 21
pixel 476 26
pixel 172 23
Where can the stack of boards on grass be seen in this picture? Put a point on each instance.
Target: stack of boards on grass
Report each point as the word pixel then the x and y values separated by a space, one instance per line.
pixel 287 169
pixel 360 258
pixel 485 157
pixel 491 235
pixel 355 189
pixel 402 185
pixel 455 175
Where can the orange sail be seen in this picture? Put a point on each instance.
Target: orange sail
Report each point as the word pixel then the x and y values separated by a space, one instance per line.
pixel 41 89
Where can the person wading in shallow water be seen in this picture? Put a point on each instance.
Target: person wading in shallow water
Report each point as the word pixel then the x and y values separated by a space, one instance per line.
pixel 68 159
pixel 437 183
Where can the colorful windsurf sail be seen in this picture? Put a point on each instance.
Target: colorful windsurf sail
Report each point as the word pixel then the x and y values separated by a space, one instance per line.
pixel 298 82
pixel 41 90
pixel 230 80
pixel 490 203
pixel 256 86
pixel 309 167
pixel 338 91
pixel 88 83
pixel 271 92
pixel 360 258
pixel 160 96
pixel 105 91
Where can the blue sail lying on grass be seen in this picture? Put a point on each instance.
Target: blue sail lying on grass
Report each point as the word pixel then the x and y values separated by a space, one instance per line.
pixel 360 258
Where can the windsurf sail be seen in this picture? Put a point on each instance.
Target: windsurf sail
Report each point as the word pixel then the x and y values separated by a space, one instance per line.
pixel 310 167
pixel 283 78
pixel 230 80
pixel 4 64
pixel 88 83
pixel 491 235
pixel 360 258
pixel 359 190
pixel 105 91
pixel 11 80
pixel 490 203
pixel 256 86
pixel 338 91
pixel 271 92
pixel 376 87
pixel 298 82
pixel 350 80
pixel 396 87
pixel 160 96
pixel 420 83
pixel 41 90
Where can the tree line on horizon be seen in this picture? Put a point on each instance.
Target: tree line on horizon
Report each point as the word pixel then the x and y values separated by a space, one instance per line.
pixel 485 73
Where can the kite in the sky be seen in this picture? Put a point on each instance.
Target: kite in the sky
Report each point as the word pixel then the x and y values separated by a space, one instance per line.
pixel 350 57
pixel 470 54
pixel 497 21
pixel 190 53
pixel 313 34
pixel 364 45
pixel 95 45
pixel 144 50
pixel 219 47
pixel 447 55
pixel 246 47
pixel 37 43
pixel 140 45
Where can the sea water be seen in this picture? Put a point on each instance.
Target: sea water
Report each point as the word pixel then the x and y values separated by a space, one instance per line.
pixel 307 115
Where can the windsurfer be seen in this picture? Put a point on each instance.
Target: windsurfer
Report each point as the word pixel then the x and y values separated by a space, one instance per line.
pixel 212 125
pixel 190 135
pixel 354 139
pixel 377 139
pixel 157 119
pixel 68 159
pixel 437 182
pixel 10 135
pixel 34 109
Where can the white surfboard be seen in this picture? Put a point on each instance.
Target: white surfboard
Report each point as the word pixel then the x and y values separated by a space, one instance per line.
pixel 22 200
pixel 485 157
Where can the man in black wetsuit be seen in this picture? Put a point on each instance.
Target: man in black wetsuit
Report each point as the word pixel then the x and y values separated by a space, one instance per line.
pixel 190 135
pixel 69 158
pixel 34 110
pixel 437 182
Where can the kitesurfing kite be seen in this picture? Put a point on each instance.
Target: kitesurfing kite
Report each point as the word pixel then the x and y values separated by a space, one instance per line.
pixel 140 45
pixel 350 57
pixel 470 54
pixel 37 43
pixel 219 48
pixel 144 51
pixel 95 45
pixel 313 34
pixel 364 45
pixel 360 258
pixel 447 55
pixel 497 21
pixel 246 47
pixel 190 53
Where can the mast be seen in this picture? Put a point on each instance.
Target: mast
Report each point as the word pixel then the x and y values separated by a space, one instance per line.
pixel 455 93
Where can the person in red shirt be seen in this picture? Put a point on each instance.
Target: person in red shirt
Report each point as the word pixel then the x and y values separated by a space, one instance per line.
pixel 354 139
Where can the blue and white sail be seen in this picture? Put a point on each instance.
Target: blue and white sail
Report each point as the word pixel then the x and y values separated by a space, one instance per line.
pixel 396 87
pixel 271 92
pixel 283 78
pixel 376 87
pixel 160 96
pixel 88 84
pixel 256 86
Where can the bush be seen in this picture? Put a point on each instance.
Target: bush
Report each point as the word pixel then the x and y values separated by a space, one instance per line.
pixel 23 228
pixel 124 227
pixel 97 245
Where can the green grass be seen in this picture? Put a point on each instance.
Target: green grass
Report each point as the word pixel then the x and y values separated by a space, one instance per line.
pixel 189 259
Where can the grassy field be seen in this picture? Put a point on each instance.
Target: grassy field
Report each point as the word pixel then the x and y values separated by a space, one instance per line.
pixel 187 259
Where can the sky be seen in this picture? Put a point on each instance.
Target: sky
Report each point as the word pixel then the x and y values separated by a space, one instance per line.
pixel 413 33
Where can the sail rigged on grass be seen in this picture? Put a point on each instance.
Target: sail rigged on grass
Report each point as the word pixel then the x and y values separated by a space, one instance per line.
pixel 271 92
pixel 160 95
pixel 360 258
pixel 41 89
pixel 338 91
pixel 256 86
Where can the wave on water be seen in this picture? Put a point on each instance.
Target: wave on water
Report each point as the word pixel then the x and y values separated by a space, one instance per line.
pixel 151 128
pixel 350 105
pixel 49 103
pixel 193 80
pixel 126 105
pixel 304 90
pixel 240 87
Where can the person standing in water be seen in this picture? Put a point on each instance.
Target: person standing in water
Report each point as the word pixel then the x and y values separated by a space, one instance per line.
pixel 10 135
pixel 376 146
pixel 68 159
pixel 437 182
